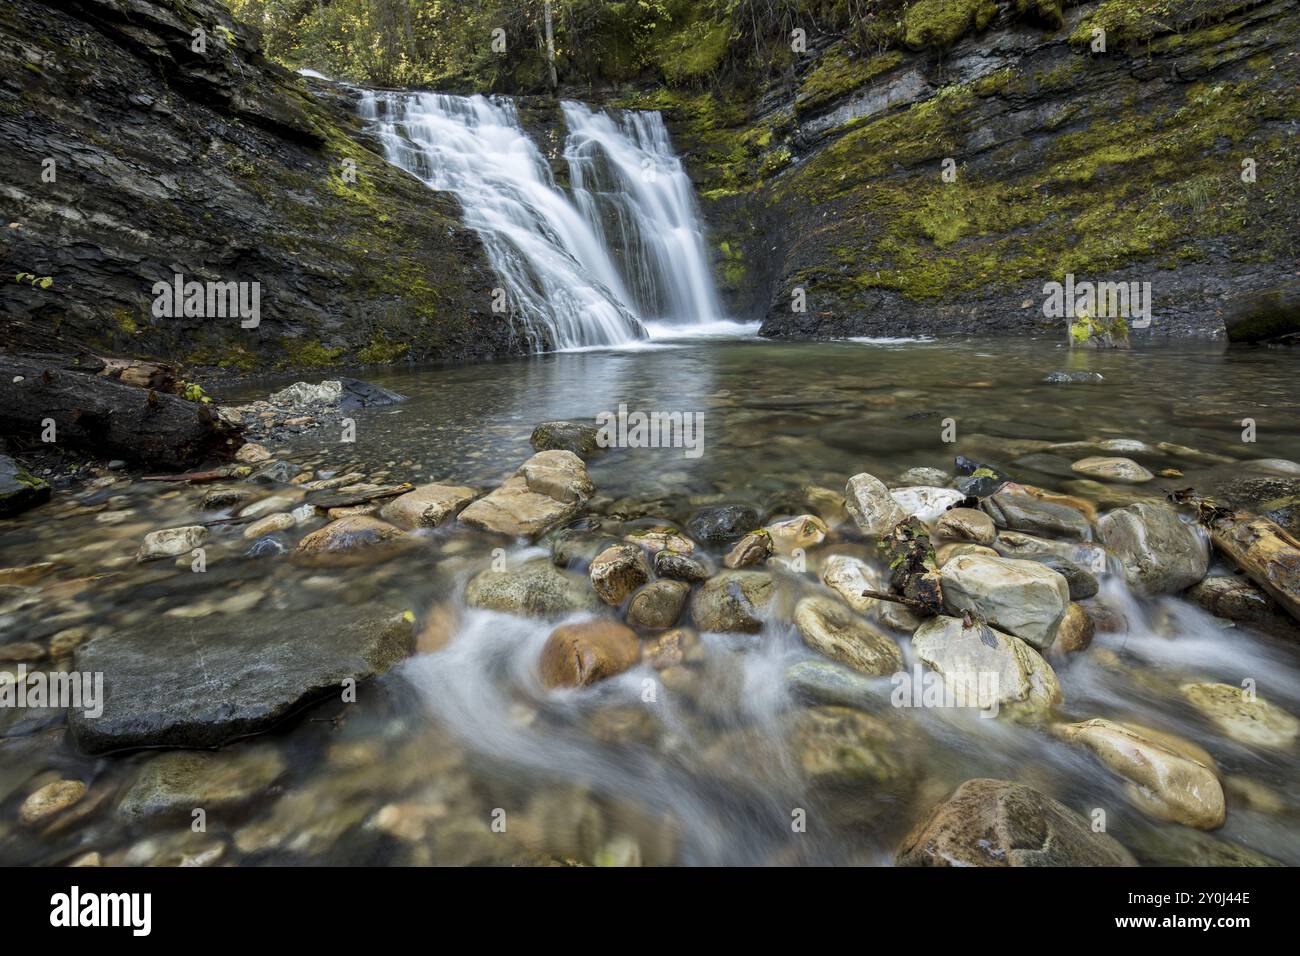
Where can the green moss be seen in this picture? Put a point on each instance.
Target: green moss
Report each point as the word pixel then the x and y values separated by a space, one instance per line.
pixel 941 23
pixel 1129 22
pixel 693 52
pixel 837 74
pixel 381 351
pixel 301 353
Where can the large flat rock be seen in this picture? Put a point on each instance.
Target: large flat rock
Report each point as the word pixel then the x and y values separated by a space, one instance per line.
pixel 206 682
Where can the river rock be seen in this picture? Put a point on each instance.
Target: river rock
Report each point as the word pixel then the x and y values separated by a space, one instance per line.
pixel 1160 553
pixel 171 542
pixel 427 506
pixel 658 605
pixel 576 655
pixel 928 504
pixel 49 801
pixel 841 746
pixel 350 540
pixel 871 506
pixel 848 577
pixel 513 509
pixel 673 648
pixel 574 437
pixel 175 783
pixel 680 567
pixel 1169 778
pixel 281 521
pixel 618 571
pixel 966 524
pixel 252 453
pixel 228 676
pixel 986 668
pixel 734 601
pixel 535 588
pixel 719 525
pixel 1112 469
pixel 753 548
pixel 1075 633
pixel 654 540
pixel 830 628
pixel 975 479
pixel 955 549
pixel 561 475
pixel 1023 598
pixel 1252 721
pixel 19 488
pixel 1016 511
pixel 801 533
pixel 266 506
pixel 825 682
pixel 1028 547
pixel 1000 823
pixel 931 477
pixel 1239 599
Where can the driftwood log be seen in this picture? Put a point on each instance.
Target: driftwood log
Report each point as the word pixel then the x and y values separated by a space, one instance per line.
pixel 1265 552
pixel 95 412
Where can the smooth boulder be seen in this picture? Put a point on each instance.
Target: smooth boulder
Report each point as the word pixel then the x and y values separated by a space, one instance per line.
pixel 1160 553
pixel 830 628
pixel 427 506
pixel 576 655
pixel 871 506
pixel 735 601
pixel 535 588
pixel 1023 598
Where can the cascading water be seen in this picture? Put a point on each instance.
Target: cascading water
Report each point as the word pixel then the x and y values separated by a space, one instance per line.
pixel 554 257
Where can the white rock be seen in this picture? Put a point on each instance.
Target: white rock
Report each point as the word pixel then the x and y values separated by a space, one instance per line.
pixel 1024 598
pixel 171 542
pixel 870 504
pixel 925 502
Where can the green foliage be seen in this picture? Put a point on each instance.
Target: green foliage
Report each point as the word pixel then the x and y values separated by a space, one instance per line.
pixel 35 281
pixel 941 23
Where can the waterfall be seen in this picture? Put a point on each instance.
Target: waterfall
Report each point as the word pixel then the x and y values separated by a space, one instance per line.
pixel 577 271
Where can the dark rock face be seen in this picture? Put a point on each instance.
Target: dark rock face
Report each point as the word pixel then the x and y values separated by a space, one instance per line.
pixel 205 683
pixel 839 192
pixel 222 167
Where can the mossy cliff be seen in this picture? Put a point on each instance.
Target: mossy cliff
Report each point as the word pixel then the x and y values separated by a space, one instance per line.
pixel 935 182
pixel 221 166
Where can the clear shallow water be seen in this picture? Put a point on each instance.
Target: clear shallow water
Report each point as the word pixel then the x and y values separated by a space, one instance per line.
pixel 418 769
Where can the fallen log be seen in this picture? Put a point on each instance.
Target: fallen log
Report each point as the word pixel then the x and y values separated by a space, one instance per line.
pixel 1265 552
pixel 99 415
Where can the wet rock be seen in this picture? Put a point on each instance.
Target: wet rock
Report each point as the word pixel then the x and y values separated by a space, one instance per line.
pixel 654 540
pixel 428 506
pixel 848 577
pixel 219 498
pixel 1021 512
pixel 1246 719
pixel 720 525
pixel 275 473
pixel 25 575
pixel 269 525
pixel 754 548
pixel 934 477
pixel 576 655
pixel 1000 823
pixel 1023 598
pixel 618 571
pixel 1075 633
pixel 1179 846
pixel 800 533
pixel 252 453
pixel 928 504
pixel 574 437
pixel 871 506
pixel 955 549
pixel 830 628
pixel 19 489
pixel 575 547
pixel 734 601
pixel 266 506
pixel 840 746
pixel 228 677
pixel 171 542
pixel 988 669
pixel 561 475
pixel 1239 599
pixel 672 649
pixel 1028 547
pixel 680 567
pixel 49 801
pixel 1169 778
pixel 1072 378
pixel 658 605
pixel 535 588
pixel 175 783
pixel 975 479
pixel 966 524
pixel 354 539
pixel 1112 469
pixel 1160 553
pixel 825 682
pixel 1082 584
pixel 269 546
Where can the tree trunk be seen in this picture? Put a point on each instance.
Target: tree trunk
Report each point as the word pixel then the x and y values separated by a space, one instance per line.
pixel 96 413
pixel 550 45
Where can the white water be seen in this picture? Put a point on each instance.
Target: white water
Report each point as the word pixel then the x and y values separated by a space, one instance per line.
pixel 570 280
